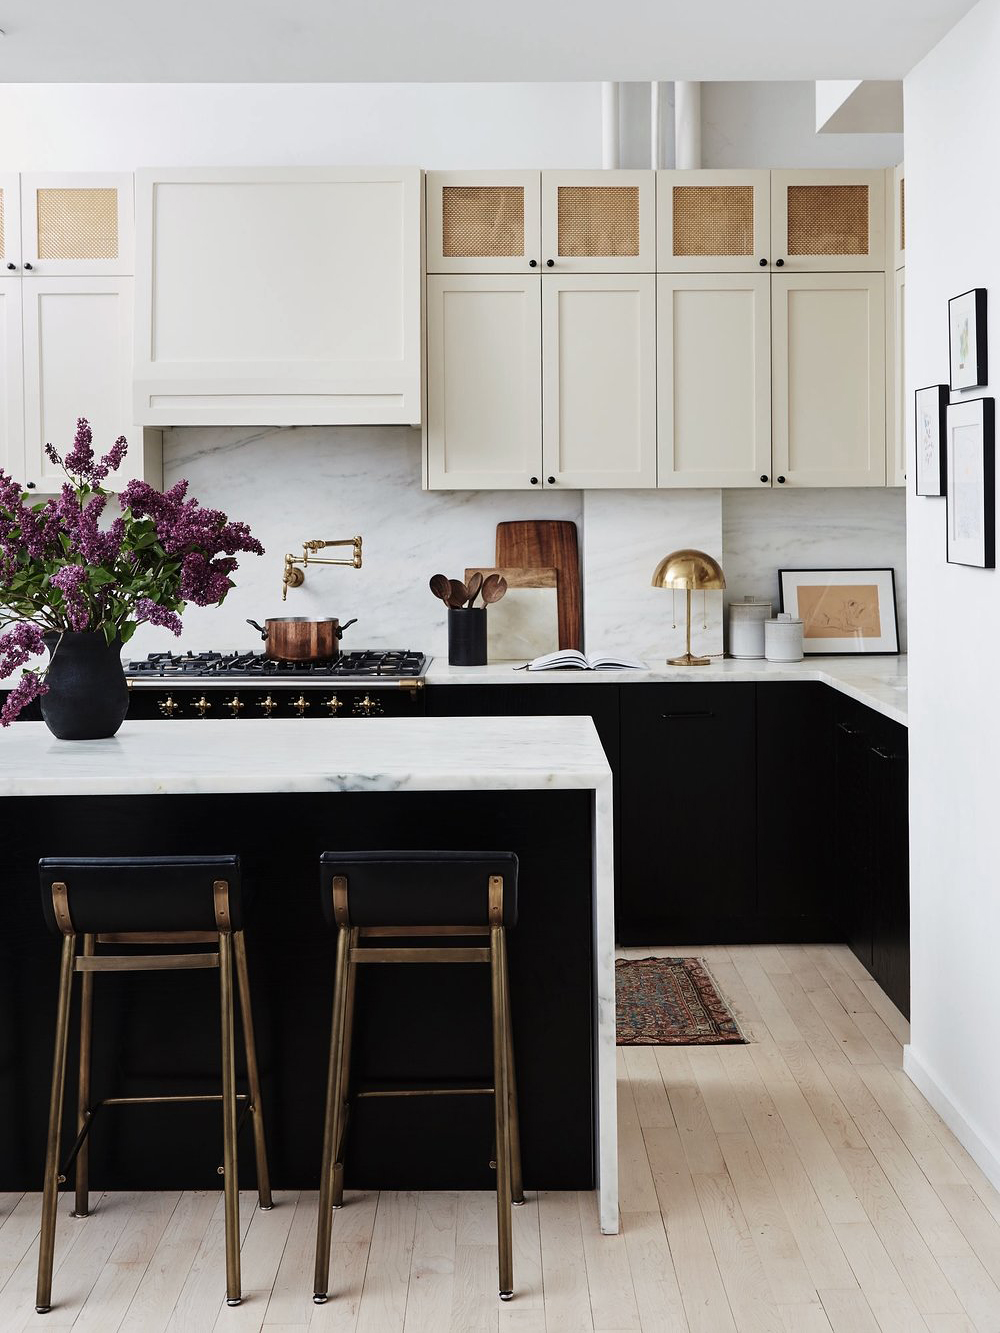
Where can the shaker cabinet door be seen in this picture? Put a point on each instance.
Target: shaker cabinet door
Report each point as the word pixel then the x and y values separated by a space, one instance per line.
pixel 713 221
pixel 713 351
pixel 10 224
pixel 825 221
pixel 11 380
pixel 483 221
pixel 598 222
pixel 484 383
pixel 77 225
pixel 828 379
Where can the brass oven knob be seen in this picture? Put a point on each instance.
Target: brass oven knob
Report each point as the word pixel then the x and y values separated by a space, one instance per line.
pixel 267 706
pixel 201 706
pixel 333 705
pixel 235 705
pixel 366 707
pixel 300 705
pixel 167 706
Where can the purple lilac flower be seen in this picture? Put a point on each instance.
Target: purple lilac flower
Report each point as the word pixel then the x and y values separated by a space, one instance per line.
pixel 70 580
pixel 154 614
pixel 16 646
pixel 80 461
pixel 29 687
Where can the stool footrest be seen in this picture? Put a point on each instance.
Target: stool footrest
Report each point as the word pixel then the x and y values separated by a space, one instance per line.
pixel 419 955
pixel 426 1090
pixel 150 962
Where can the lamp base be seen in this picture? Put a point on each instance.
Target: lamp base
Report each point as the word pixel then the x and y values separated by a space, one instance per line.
pixel 688 660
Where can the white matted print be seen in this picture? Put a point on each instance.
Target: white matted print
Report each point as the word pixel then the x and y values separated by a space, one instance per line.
pixel 843 611
pixel 931 406
pixel 971 484
pixel 967 339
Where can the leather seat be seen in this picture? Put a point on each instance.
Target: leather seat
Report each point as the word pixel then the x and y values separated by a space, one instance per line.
pixel 419 888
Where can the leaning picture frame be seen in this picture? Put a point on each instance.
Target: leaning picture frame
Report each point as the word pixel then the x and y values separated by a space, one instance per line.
pixel 967 339
pixel 930 430
pixel 971 483
pixel 844 612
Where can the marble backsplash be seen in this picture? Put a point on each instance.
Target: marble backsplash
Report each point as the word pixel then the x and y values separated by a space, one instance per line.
pixel 300 483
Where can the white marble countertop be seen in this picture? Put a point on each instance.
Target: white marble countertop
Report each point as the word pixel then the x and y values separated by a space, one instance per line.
pixel 877 682
pixel 286 755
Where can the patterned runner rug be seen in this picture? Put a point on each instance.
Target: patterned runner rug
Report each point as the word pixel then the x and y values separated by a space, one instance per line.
pixel 670 1002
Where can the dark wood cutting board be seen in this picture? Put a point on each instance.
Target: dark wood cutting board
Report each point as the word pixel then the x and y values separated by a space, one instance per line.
pixel 550 544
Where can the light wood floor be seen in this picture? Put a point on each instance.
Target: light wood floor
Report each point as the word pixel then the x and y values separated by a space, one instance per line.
pixel 799 1184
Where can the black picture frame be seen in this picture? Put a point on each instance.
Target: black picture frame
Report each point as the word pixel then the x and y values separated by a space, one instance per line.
pixel 931 476
pixel 959 376
pixel 883 574
pixel 970 536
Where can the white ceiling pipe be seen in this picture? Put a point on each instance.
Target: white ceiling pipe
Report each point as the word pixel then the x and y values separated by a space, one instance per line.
pixel 610 126
pixel 687 125
pixel 655 151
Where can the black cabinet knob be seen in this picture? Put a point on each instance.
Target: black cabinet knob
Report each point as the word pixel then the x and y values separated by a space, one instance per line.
pixel 532 263
pixel 534 481
pixel 30 485
pixel 27 267
pixel 779 263
pixel 763 263
pixel 781 481
pixel 551 480
pixel 12 267
pixel 550 263
pixel 764 477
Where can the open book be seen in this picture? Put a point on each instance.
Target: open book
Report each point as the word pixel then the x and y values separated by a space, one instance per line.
pixel 572 657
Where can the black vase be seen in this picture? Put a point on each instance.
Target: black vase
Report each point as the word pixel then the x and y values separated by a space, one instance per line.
pixel 87 697
pixel 467 635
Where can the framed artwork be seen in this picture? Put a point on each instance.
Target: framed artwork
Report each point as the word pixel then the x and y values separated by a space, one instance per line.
pixel 967 339
pixel 971 483
pixel 843 611
pixel 930 429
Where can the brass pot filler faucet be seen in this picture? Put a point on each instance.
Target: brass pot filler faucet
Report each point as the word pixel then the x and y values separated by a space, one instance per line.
pixel 294 577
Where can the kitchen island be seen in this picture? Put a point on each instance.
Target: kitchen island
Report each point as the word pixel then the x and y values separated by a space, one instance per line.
pixel 279 793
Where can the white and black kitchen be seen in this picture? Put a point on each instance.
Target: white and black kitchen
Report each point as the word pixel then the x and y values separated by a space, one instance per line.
pixel 498 723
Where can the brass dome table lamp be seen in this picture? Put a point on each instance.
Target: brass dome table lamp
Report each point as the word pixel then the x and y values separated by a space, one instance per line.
pixel 694 571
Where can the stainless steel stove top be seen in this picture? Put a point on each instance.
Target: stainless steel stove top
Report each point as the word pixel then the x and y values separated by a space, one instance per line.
pixel 365 666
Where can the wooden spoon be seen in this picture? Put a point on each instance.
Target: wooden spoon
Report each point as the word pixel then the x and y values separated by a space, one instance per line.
pixel 474 584
pixel 493 588
pixel 441 587
pixel 458 594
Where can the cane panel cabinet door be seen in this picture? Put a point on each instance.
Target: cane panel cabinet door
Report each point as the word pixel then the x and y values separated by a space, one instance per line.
pixel 828 221
pixel 11 379
pixel 278 296
pixel 77 225
pixel 713 330
pixel 599 381
pixel 828 379
pixel 484 382
pixel 598 222
pixel 713 221
pixel 483 221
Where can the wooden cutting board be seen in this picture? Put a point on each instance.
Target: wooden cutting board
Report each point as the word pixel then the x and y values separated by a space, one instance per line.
pixel 551 544
pixel 524 624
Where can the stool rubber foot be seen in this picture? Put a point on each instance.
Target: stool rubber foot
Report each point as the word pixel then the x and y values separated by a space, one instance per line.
pixel 234 1300
pixel 76 1214
pixel 265 1207
pixel 506 1295
pixel 336 1207
pixel 42 1309
pixel 517 1203
pixel 319 1298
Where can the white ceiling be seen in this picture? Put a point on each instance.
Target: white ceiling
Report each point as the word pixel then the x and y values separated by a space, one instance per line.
pixel 148 41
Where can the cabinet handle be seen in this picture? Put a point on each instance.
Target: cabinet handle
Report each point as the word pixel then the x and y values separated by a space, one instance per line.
pixel 764 477
pixel 763 263
pixel 550 263
pixel 781 481
pixel 532 263
pixel 27 268
pixel 29 485
pixel 877 750
pixel 534 481
pixel 680 717
pixel 551 480
pixel 11 267
pixel 848 730
pixel 779 263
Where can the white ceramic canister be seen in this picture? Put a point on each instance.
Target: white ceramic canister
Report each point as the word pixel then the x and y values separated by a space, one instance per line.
pixel 783 639
pixel 746 626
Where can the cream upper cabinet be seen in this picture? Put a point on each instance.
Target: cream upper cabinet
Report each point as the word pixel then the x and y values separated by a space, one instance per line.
pixel 713 221
pixel 11 380
pixel 828 379
pixel 10 224
pixel 898 428
pixel 713 351
pixel 77 363
pixel 77 225
pixel 598 222
pixel 828 221
pixel 599 380
pixel 278 296
pixel 483 221
pixel 484 382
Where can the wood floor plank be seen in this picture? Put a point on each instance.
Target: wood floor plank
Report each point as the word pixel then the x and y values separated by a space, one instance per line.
pixel 636 1192
pixel 804 1319
pixel 203 1295
pixel 657 1295
pixel 609 1278
pixel 691 1115
pixel 639 1066
pixel 751 1299
pixel 432 1266
pixel 387 1276
pixel 878 1278
pixel 848 1311
pixel 716 1090
pixel 166 1273
pixel 113 1292
pixel 564 1264
pixel 766 999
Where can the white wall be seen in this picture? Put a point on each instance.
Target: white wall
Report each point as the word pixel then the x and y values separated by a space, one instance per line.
pixel 953 201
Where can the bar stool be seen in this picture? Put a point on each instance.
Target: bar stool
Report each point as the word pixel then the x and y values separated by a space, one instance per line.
pixel 130 901
pixel 441 897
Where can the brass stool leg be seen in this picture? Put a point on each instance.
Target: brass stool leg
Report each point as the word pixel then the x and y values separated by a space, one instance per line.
pixel 253 1074
pixel 501 1102
pixel 82 1204
pixel 231 1183
pixel 516 1183
pixel 345 1075
pixel 331 1127
pixel 50 1191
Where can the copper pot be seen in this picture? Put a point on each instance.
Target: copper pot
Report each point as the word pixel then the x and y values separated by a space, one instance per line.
pixel 299 639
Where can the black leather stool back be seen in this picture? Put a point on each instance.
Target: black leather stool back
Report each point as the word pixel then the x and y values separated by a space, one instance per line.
pixel 419 888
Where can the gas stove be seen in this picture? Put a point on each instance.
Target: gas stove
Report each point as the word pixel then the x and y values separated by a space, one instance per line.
pixel 370 682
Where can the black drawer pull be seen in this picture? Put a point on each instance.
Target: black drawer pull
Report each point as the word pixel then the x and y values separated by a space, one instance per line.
pixel 882 754
pixel 677 717
pixel 849 730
